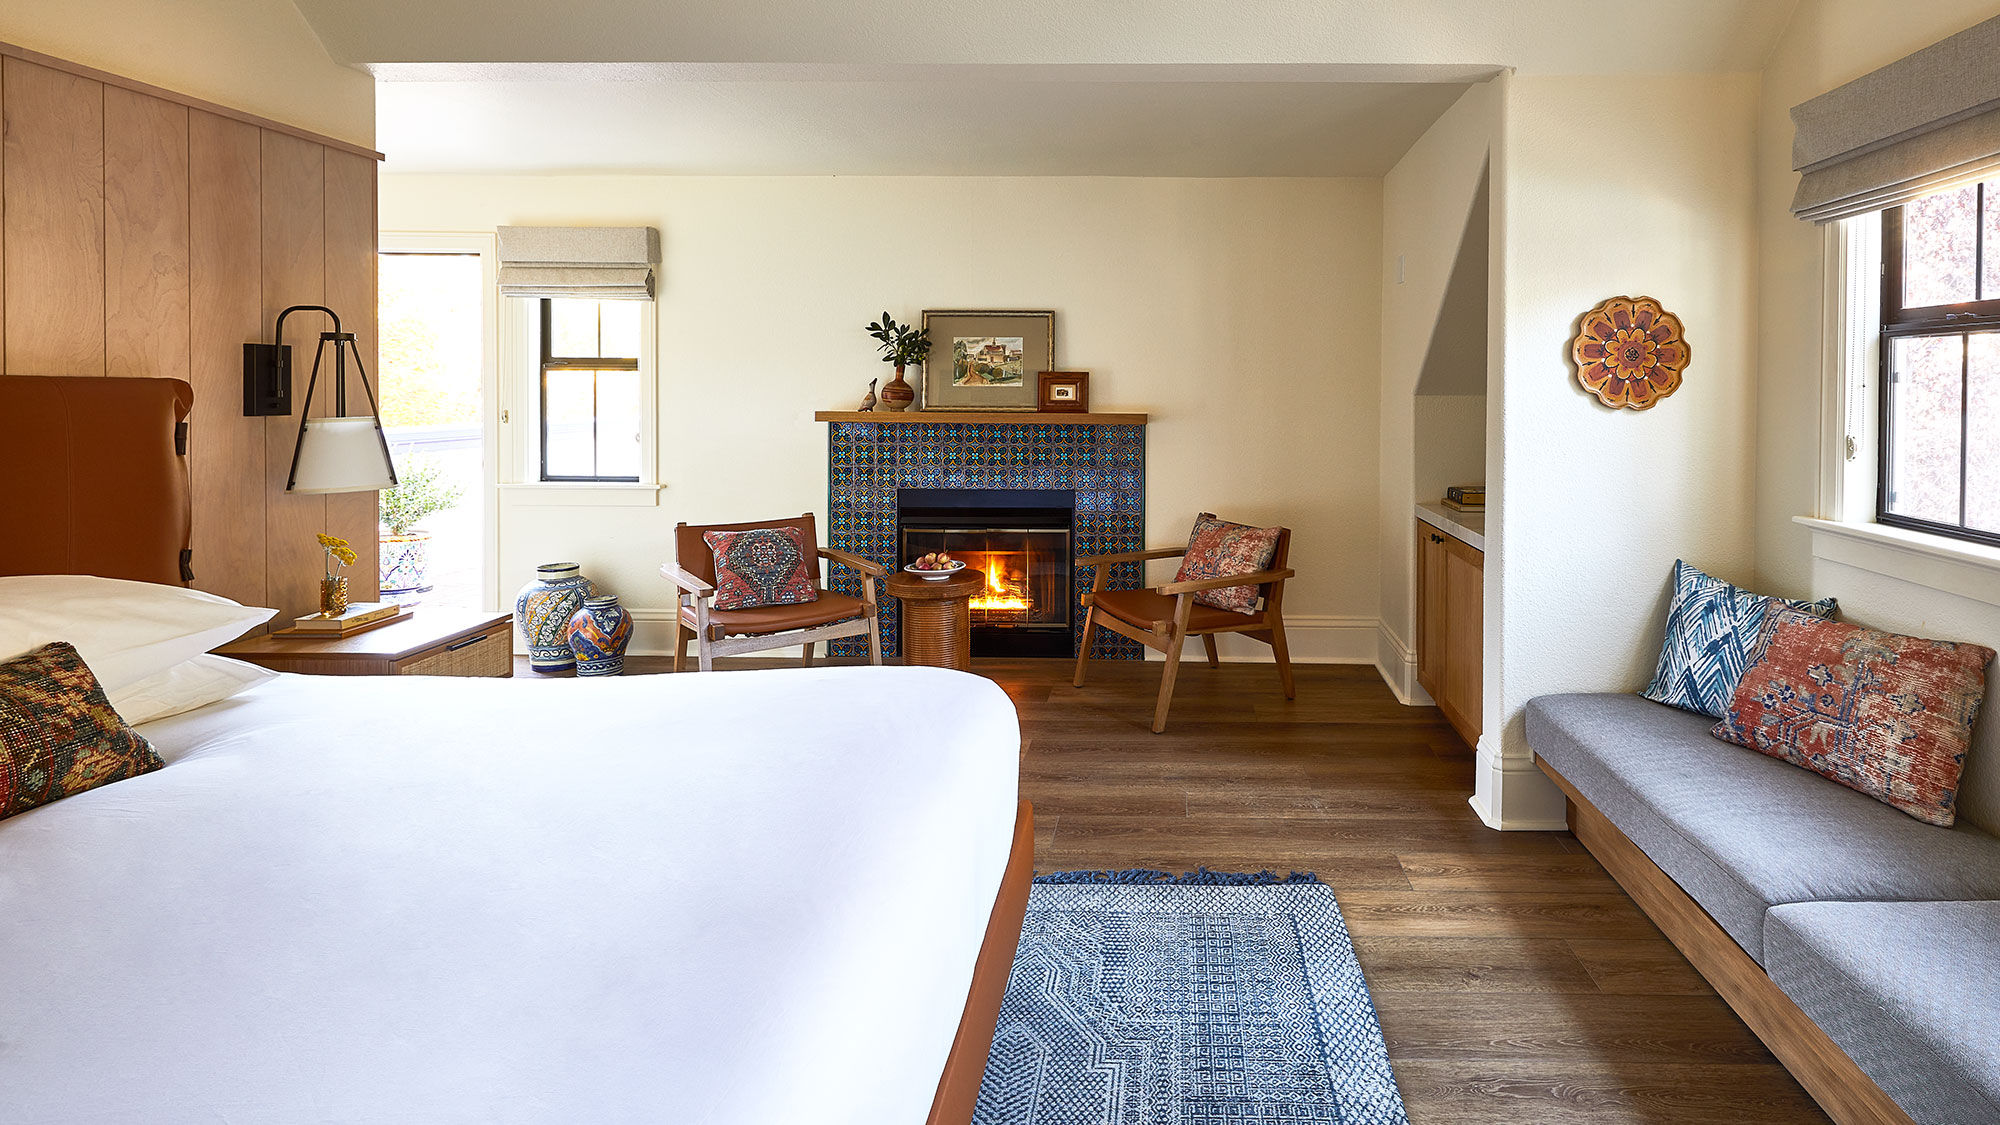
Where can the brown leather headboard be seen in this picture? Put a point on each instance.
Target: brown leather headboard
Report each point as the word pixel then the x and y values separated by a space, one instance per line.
pixel 94 477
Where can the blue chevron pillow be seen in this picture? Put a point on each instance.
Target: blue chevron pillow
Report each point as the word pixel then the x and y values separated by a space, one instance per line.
pixel 1711 630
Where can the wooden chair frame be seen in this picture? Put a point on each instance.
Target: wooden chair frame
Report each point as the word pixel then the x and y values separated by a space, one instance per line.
pixel 1169 637
pixel 713 639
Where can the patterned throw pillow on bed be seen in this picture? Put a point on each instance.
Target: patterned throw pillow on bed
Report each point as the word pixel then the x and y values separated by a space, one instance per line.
pixel 763 566
pixel 1711 630
pixel 1218 549
pixel 58 733
pixel 1888 715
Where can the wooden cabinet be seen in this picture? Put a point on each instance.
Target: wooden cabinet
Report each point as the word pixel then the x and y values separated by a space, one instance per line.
pixel 1451 602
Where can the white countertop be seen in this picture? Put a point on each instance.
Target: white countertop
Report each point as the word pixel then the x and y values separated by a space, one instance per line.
pixel 1469 527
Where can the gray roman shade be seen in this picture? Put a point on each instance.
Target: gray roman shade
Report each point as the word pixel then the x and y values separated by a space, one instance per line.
pixel 1921 124
pixel 596 263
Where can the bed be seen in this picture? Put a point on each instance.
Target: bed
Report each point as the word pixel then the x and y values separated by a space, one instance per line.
pixel 739 897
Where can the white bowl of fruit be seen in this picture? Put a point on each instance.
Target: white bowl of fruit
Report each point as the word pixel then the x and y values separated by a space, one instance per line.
pixel 936 566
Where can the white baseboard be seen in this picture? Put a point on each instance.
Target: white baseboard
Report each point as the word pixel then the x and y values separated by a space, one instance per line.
pixel 1312 638
pixel 1398 664
pixel 1512 795
pixel 653 635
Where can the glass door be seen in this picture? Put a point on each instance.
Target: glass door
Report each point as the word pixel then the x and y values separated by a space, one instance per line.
pixel 437 525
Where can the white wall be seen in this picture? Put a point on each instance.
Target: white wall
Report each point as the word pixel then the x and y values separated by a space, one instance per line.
pixel 1426 202
pixel 259 56
pixel 1242 313
pixel 1596 504
pixel 1830 42
pixel 1450 444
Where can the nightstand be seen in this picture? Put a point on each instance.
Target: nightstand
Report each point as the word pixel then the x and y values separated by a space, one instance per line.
pixel 432 642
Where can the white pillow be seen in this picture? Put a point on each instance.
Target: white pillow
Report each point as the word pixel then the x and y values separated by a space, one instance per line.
pixel 193 683
pixel 126 631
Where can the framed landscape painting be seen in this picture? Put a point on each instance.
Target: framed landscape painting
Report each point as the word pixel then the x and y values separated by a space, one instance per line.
pixel 987 359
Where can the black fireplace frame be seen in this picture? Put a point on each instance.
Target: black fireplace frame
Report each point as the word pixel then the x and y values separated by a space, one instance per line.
pixel 1010 509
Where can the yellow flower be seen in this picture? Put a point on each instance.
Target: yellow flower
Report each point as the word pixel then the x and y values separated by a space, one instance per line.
pixel 336 550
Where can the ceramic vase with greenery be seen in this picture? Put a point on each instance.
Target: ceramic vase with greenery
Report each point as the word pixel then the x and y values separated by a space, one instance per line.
pixel 902 345
pixel 422 493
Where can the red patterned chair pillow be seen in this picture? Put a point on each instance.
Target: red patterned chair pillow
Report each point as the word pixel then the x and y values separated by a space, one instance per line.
pixel 1888 715
pixel 763 566
pixel 1219 549
pixel 58 734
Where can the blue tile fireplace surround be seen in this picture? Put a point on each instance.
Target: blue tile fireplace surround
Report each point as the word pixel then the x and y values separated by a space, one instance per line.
pixel 1103 465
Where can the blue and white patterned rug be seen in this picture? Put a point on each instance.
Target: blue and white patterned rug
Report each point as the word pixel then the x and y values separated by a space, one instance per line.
pixel 1212 999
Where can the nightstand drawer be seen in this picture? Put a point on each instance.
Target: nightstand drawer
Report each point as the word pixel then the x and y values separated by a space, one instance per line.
pixel 483 654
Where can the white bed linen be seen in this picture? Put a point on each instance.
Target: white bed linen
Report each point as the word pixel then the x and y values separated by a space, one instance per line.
pixel 747 897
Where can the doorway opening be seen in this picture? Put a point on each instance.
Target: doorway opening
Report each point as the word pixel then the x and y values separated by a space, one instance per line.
pixel 433 386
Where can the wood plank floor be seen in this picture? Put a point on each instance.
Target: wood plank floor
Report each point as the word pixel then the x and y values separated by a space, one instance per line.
pixel 1515 981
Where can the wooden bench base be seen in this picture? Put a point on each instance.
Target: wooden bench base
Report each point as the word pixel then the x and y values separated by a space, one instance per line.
pixel 1847 1095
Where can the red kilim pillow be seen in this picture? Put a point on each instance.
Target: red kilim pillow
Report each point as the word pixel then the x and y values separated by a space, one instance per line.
pixel 1888 715
pixel 763 566
pixel 1219 549
pixel 58 734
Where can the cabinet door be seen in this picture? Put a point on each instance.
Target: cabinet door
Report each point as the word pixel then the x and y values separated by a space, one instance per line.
pixel 1464 659
pixel 1432 613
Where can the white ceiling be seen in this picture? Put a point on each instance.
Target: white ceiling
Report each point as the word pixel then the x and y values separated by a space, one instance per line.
pixel 1548 36
pixel 958 87
pixel 968 122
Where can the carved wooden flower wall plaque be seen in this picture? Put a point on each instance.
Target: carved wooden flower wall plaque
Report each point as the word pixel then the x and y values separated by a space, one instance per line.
pixel 1629 352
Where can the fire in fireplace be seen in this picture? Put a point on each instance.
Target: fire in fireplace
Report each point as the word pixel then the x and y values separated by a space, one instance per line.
pixel 1006 590
pixel 1020 539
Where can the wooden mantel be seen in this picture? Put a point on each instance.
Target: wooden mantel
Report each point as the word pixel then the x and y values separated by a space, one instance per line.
pixel 991 417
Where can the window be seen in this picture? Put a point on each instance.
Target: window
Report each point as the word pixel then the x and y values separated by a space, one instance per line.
pixel 589 396
pixel 1939 453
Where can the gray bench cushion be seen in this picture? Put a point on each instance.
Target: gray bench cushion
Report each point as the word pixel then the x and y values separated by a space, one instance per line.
pixel 1741 832
pixel 1909 990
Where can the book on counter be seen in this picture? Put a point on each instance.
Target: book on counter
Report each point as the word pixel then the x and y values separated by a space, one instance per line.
pixel 357 615
pixel 1472 495
pixel 1458 507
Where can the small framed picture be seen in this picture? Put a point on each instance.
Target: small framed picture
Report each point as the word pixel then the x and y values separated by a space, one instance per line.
pixel 1064 392
pixel 987 359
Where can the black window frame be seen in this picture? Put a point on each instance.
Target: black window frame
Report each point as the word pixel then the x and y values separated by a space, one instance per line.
pixel 1964 319
pixel 550 362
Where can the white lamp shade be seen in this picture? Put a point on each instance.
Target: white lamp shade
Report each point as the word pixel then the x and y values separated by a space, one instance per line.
pixel 341 455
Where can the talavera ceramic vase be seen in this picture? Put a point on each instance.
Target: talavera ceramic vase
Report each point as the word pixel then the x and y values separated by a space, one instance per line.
pixel 598 634
pixel 543 609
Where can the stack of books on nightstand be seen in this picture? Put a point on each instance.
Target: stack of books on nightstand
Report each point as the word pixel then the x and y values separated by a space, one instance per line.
pixel 1465 497
pixel 358 616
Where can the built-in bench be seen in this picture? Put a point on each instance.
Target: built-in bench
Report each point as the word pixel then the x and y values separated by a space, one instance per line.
pixel 1862 945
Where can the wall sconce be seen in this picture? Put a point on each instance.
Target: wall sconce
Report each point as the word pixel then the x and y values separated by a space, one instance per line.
pixel 335 453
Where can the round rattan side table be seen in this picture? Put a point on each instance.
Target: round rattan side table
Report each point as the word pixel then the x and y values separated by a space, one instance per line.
pixel 937 617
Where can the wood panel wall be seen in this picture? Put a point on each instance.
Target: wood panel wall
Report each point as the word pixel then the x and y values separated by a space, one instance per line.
pixel 147 234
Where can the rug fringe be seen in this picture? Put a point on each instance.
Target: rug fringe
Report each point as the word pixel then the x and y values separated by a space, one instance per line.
pixel 1200 876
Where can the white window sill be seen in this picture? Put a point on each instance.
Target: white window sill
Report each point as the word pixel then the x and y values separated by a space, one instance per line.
pixel 557 495
pixel 1970 570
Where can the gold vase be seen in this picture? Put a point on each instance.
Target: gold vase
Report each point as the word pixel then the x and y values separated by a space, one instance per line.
pixel 332 596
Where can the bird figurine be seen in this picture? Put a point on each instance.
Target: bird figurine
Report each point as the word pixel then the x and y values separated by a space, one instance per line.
pixel 868 403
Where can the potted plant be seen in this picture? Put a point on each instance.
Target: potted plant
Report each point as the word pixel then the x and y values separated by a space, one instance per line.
pixel 902 345
pixel 421 494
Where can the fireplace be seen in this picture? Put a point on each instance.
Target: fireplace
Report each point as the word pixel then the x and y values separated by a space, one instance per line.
pixel 1091 468
pixel 1020 539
